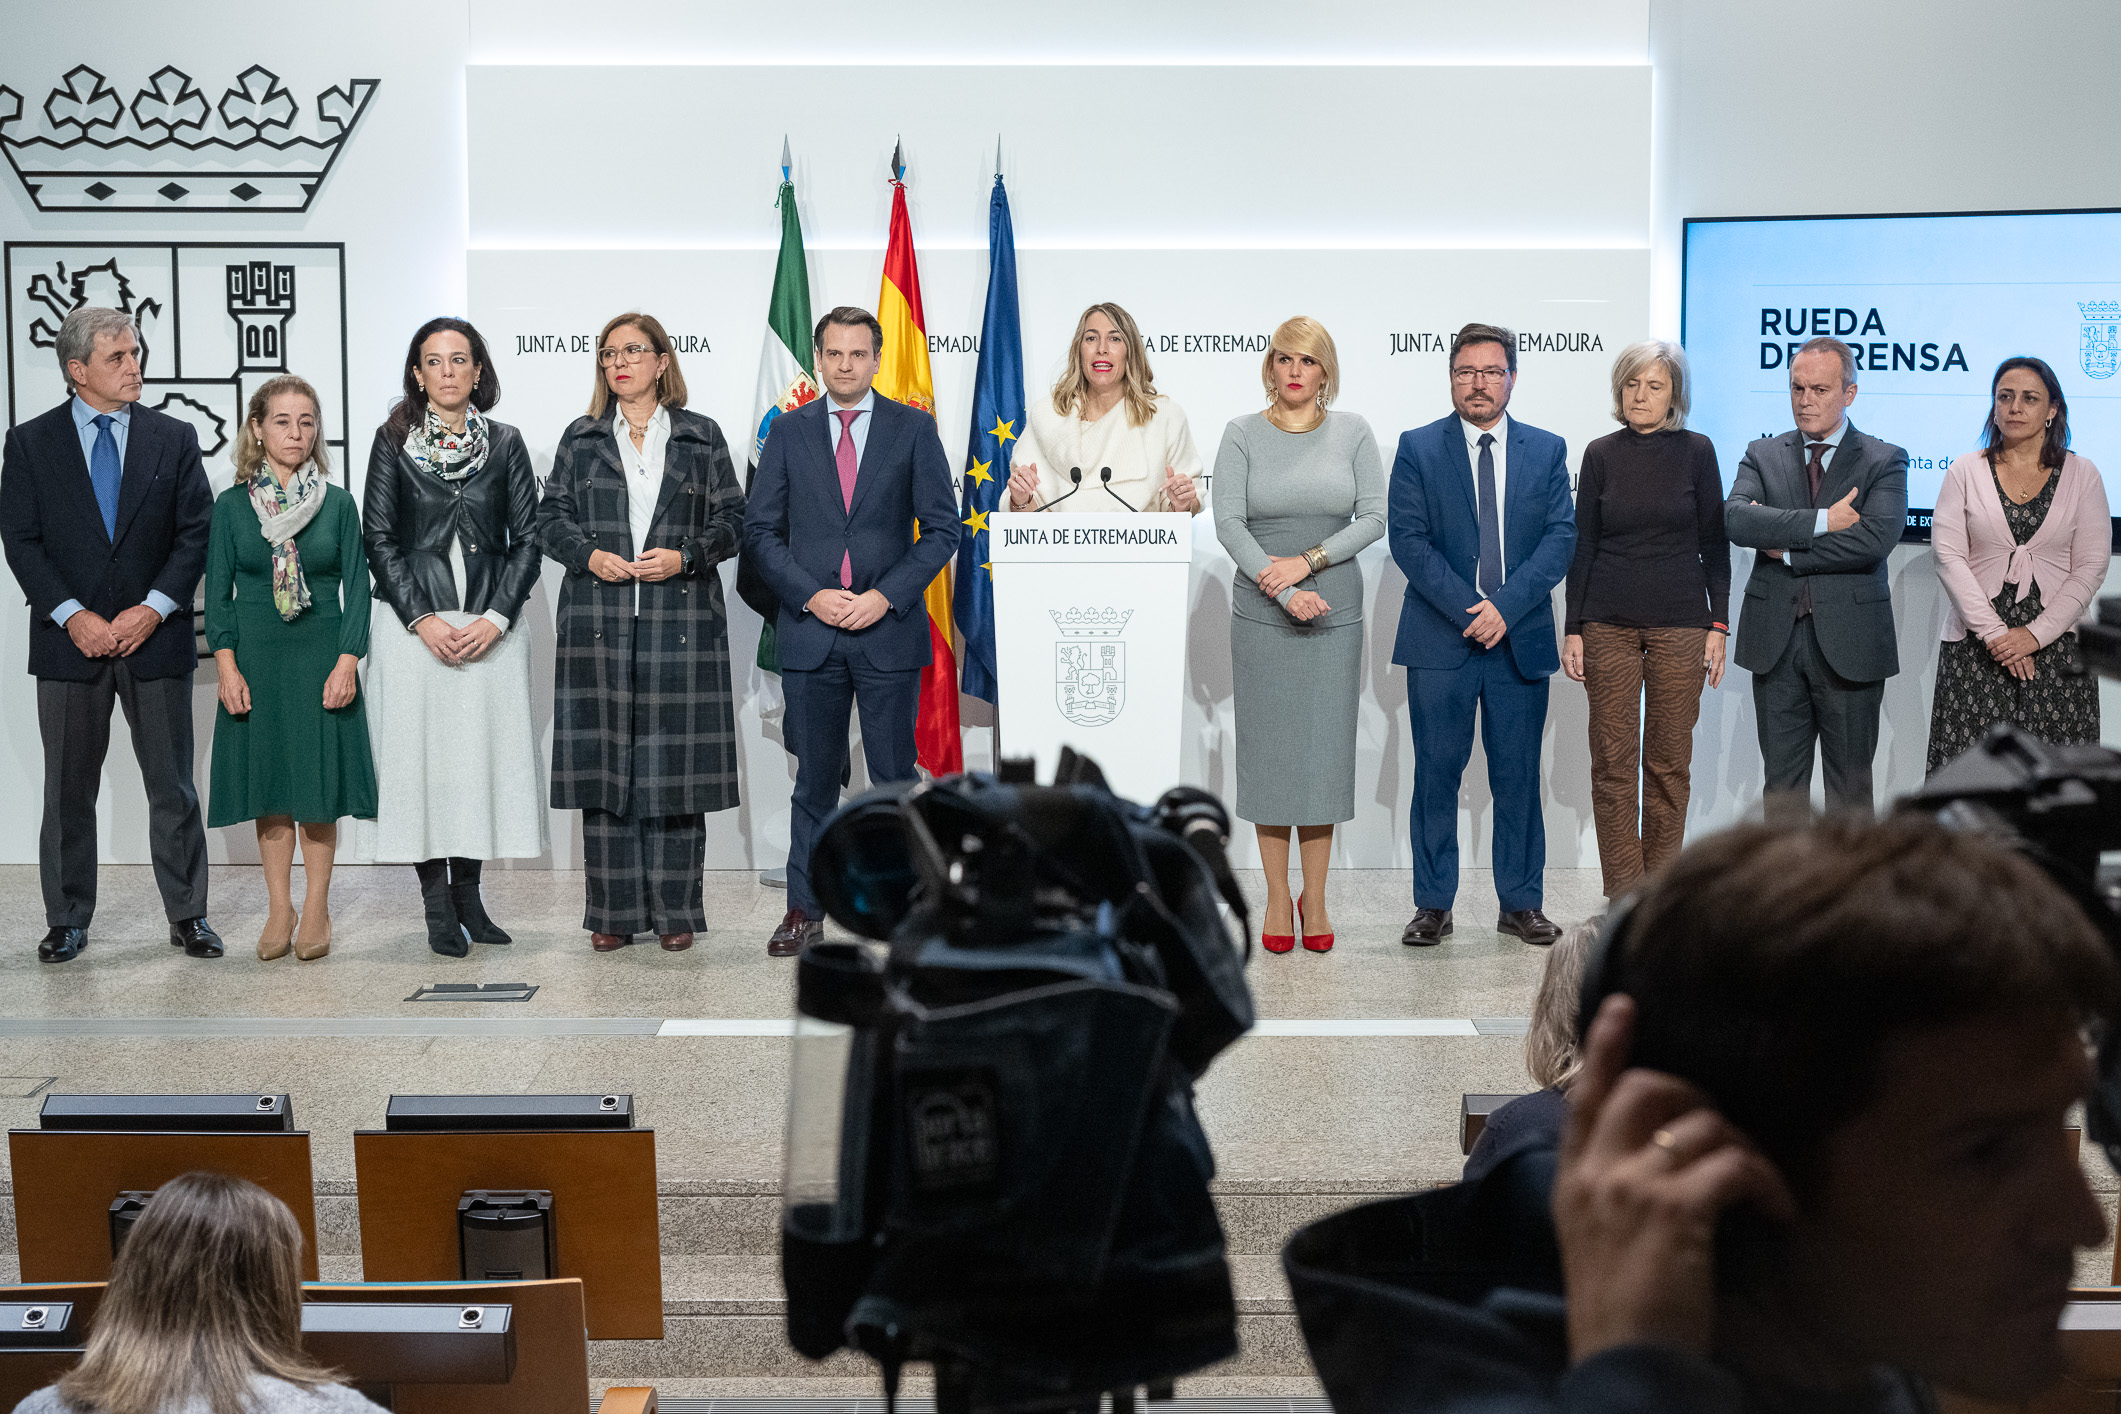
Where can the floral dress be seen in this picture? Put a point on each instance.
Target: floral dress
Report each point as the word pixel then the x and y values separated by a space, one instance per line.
pixel 2060 705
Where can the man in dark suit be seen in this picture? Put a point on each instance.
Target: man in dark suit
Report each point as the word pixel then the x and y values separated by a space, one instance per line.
pixel 1483 528
pixel 104 512
pixel 841 485
pixel 1824 505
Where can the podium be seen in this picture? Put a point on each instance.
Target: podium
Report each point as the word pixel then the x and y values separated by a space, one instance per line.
pixel 1090 641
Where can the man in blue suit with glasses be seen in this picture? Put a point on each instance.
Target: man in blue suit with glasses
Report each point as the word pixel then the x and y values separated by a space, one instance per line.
pixel 1483 527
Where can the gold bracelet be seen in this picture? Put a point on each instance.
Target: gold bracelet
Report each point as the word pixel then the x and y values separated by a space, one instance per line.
pixel 1316 558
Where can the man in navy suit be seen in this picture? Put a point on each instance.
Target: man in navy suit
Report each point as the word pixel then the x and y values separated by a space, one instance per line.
pixel 104 514
pixel 841 485
pixel 1483 528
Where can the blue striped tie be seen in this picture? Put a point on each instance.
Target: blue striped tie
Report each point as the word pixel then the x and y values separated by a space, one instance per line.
pixel 104 474
pixel 1490 520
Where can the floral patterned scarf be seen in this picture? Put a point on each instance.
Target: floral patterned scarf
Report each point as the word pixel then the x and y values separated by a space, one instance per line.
pixel 449 455
pixel 283 512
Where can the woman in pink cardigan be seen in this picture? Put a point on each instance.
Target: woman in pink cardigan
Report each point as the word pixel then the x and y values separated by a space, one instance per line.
pixel 2022 538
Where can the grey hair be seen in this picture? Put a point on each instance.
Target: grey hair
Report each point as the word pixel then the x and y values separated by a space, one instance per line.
pixel 1551 1054
pixel 1635 359
pixel 1826 343
pixel 77 336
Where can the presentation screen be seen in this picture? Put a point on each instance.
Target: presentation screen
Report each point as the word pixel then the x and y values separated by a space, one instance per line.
pixel 1929 304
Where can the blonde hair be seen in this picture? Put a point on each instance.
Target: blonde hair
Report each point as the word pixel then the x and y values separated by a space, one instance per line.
pixel 1297 337
pixel 1137 381
pixel 1634 360
pixel 1550 1045
pixel 669 384
pixel 250 452
pixel 205 1295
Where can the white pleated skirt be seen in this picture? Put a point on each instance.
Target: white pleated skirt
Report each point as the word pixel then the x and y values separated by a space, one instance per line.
pixel 457 768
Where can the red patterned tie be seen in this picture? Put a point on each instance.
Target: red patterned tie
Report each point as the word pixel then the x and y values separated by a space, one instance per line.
pixel 844 460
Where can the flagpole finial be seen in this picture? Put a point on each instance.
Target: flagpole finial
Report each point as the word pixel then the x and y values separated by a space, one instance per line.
pixel 898 168
pixel 997 156
pixel 786 162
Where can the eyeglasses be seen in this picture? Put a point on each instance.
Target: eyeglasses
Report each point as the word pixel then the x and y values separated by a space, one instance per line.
pixel 631 353
pixel 1479 375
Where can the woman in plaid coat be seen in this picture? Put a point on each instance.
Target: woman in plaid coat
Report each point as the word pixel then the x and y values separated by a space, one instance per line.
pixel 641 505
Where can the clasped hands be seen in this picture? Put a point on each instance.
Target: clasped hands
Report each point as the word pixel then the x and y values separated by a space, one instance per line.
pixel 1283 571
pixel 98 637
pixel 2013 650
pixel 652 566
pixel 457 646
pixel 844 609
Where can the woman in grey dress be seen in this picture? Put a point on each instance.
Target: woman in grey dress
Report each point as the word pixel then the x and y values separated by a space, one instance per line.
pixel 1298 491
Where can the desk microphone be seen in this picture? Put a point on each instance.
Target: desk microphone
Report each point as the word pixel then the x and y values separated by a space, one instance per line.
pixel 1075 474
pixel 1104 474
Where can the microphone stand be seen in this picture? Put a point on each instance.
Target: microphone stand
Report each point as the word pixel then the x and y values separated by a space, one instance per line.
pixel 1104 474
pixel 1075 474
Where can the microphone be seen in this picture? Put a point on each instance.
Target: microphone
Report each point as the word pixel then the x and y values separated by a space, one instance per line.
pixel 1104 474
pixel 1075 474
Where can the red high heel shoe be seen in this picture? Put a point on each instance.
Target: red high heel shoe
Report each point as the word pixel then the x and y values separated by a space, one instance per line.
pixel 1278 942
pixel 1318 942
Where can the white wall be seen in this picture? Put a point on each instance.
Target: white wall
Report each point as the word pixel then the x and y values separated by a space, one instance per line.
pixel 395 198
pixel 1217 127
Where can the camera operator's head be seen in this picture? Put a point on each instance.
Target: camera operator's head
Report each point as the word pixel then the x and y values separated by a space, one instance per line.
pixel 1870 1033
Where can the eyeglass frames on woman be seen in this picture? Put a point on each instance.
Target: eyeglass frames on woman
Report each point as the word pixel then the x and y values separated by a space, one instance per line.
pixel 629 353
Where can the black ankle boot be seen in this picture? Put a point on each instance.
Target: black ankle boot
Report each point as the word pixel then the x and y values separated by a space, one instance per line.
pixel 471 909
pixel 445 932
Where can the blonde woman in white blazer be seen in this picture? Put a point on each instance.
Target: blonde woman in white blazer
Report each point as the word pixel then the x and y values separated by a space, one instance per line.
pixel 2022 536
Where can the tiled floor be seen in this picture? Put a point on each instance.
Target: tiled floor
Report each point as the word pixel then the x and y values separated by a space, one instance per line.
pixel 1300 1124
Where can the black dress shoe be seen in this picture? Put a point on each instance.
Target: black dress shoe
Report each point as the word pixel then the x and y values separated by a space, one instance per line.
pixel 1430 927
pixel 196 937
pixel 1531 925
pixel 798 929
pixel 62 944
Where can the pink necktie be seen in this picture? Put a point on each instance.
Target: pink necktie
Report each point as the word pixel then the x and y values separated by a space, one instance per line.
pixel 844 459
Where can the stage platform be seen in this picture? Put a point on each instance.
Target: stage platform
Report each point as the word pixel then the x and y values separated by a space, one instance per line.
pixel 1350 1089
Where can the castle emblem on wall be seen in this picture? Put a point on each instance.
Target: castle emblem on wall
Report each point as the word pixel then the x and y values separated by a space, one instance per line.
pixel 215 319
pixel 1090 664
pixel 168 149
pixel 2099 343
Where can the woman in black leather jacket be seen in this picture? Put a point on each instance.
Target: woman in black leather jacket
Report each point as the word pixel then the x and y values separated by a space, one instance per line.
pixel 449 515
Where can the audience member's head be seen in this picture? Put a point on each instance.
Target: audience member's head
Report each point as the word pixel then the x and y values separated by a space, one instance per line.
pixel 1551 1057
pixel 1891 1016
pixel 205 1297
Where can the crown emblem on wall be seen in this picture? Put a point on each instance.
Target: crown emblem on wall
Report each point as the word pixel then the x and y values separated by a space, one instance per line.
pixel 170 150
pixel 1091 623
pixel 2099 308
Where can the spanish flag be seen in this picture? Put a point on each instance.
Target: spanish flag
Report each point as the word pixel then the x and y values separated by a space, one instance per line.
pixel 902 373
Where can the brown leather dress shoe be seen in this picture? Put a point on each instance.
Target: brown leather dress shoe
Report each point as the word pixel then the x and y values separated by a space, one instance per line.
pixel 1429 927
pixel 608 942
pixel 675 942
pixel 796 931
pixel 1531 925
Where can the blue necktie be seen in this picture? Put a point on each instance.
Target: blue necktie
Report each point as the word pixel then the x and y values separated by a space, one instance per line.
pixel 1490 520
pixel 104 473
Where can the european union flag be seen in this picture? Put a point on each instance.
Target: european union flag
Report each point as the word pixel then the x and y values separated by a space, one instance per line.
pixel 997 420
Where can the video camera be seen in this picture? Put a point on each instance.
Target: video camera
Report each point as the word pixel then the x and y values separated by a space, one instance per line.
pixel 993 1161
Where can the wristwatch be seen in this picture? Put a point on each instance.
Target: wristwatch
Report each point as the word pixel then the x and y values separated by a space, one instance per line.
pixel 684 557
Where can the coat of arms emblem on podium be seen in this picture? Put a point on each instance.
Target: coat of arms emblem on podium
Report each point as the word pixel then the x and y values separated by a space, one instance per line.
pixel 169 149
pixel 2099 345
pixel 1090 664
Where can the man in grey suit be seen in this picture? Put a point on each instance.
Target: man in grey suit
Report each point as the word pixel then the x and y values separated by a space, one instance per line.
pixel 1824 505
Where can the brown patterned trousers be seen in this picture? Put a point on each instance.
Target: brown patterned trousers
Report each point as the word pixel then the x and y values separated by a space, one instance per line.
pixel 1644 686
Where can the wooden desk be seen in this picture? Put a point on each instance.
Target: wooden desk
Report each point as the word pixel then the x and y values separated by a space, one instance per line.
pixel 65 1180
pixel 603 1203
pixel 551 1373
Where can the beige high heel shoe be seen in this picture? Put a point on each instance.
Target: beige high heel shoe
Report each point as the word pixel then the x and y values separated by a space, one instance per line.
pixel 309 948
pixel 270 947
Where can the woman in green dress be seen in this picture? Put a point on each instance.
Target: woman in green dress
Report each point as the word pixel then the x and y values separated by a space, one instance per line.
pixel 287 619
